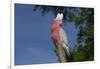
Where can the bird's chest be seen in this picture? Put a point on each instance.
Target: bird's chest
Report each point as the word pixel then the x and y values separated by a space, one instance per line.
pixel 55 34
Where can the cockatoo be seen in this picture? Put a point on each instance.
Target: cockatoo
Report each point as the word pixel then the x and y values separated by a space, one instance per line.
pixel 58 34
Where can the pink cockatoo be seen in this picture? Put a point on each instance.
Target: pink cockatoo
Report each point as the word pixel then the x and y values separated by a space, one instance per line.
pixel 58 34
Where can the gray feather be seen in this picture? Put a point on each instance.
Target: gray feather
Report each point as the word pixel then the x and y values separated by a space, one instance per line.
pixel 63 36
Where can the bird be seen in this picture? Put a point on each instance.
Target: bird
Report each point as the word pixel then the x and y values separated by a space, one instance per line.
pixel 59 35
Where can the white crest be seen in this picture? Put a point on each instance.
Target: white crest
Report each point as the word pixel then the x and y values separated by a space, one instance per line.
pixel 59 16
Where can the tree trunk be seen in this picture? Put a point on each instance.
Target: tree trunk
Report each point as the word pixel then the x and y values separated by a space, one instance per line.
pixel 61 54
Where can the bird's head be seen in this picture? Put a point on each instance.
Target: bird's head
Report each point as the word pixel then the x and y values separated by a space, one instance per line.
pixel 59 17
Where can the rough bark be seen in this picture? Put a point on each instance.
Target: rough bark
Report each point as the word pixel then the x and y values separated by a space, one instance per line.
pixel 61 54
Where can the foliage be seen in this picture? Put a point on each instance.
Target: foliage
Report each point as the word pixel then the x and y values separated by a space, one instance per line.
pixel 85 41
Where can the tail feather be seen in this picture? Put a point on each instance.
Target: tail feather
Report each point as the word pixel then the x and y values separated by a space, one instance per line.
pixel 67 50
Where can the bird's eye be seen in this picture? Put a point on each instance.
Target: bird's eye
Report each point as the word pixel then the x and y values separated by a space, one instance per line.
pixel 60 24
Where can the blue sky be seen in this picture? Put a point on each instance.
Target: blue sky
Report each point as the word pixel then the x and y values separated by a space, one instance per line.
pixel 33 43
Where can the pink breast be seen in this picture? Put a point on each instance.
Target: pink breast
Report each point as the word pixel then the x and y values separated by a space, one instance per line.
pixel 55 31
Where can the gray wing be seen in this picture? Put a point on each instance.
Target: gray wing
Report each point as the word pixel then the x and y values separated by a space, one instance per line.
pixel 63 36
